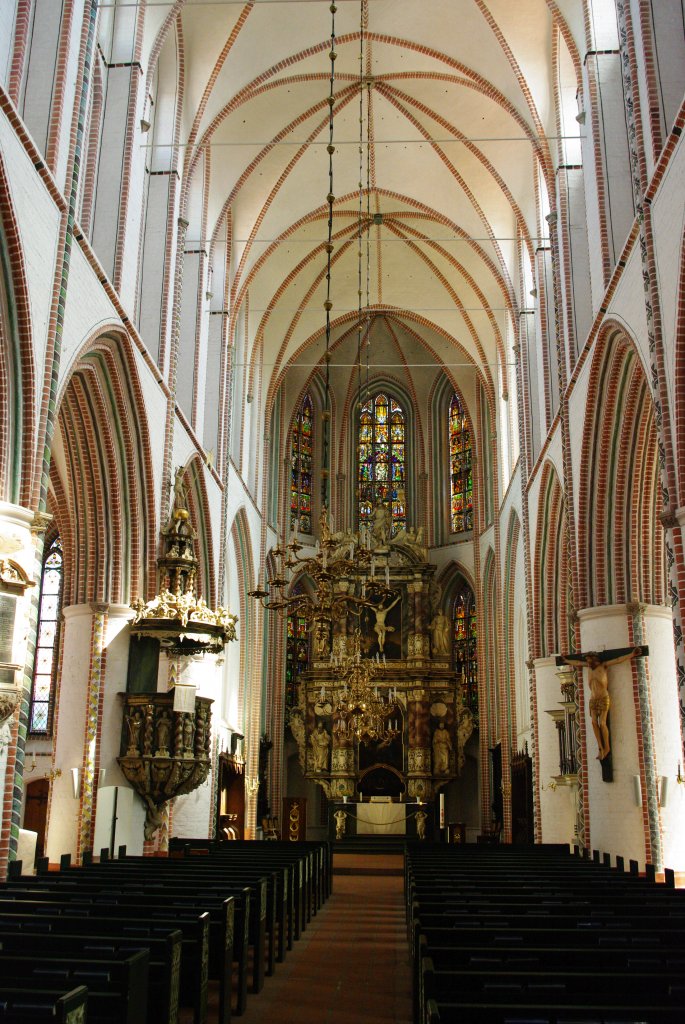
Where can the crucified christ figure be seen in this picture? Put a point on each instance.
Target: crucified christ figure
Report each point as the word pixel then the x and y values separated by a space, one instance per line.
pixel 599 691
pixel 381 629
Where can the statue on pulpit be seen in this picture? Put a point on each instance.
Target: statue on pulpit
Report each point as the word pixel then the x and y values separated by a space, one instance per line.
pixel 600 702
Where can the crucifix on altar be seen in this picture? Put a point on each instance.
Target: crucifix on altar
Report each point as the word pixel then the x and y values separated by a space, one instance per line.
pixel 597 663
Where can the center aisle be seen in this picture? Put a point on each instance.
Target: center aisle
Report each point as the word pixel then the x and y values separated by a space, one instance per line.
pixel 351 964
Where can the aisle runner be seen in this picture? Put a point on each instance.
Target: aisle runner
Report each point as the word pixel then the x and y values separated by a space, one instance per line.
pixel 352 963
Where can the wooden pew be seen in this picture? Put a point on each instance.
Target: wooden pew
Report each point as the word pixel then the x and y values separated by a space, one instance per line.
pixel 54 1006
pixel 464 1012
pixel 117 986
pixel 540 936
pixel 134 922
pixel 163 947
pixel 151 883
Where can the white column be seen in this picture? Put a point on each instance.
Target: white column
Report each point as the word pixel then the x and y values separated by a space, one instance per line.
pixel 194 813
pixel 18 546
pixel 625 816
pixel 557 802
pixel 657 627
pixel 69 731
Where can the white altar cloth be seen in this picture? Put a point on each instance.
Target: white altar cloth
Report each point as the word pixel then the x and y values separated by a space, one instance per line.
pixel 381 819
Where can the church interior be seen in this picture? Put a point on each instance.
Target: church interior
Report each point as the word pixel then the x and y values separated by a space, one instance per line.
pixel 342 405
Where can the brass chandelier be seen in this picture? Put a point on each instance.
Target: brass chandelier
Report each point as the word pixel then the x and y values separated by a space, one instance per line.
pixel 362 711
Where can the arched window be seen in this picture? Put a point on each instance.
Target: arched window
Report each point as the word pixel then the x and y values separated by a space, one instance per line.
pixel 296 654
pixel 465 646
pixel 301 468
pixel 381 460
pixel 461 479
pixel 47 643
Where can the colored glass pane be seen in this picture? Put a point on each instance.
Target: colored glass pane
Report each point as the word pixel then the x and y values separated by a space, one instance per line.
pixel 47 640
pixel 465 647
pixel 301 462
pixel 296 654
pixel 461 480
pixel 381 459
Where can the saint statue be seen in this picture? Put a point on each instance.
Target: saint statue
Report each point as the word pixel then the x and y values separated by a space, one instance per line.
pixel 162 733
pixel 180 491
pixel 134 724
pixel 382 523
pixel 421 817
pixel 442 745
pixel 440 634
pixel 320 741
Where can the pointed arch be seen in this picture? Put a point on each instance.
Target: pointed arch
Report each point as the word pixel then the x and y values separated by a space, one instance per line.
pixel 459 604
pixel 102 458
pixel 509 617
pixel 246 578
pixel 620 533
pixel 551 582
pixel 198 506
pixel 17 367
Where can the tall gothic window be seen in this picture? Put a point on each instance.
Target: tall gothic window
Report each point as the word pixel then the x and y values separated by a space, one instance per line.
pixel 465 647
pixel 296 654
pixel 301 468
pixel 381 460
pixel 461 479
pixel 47 644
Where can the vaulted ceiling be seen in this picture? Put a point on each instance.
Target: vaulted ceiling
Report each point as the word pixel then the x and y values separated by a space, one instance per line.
pixel 464 106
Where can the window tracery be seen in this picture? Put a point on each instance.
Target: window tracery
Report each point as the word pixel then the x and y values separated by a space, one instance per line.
pixel 461 478
pixel 381 460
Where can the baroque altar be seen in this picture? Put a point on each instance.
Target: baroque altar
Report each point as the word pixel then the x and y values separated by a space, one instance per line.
pixel 401 642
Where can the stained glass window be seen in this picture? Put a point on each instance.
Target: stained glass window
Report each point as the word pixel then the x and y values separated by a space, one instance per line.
pixel 381 460
pixel 47 642
pixel 296 655
pixel 461 479
pixel 465 647
pixel 301 468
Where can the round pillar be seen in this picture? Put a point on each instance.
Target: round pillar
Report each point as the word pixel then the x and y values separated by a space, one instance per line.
pixel 557 794
pixel 626 816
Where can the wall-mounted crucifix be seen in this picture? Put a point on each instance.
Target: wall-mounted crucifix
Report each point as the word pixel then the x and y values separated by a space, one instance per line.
pixel 597 663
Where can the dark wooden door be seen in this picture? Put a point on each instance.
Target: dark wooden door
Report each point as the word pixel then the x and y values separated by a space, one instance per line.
pixel 522 798
pixel 36 811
